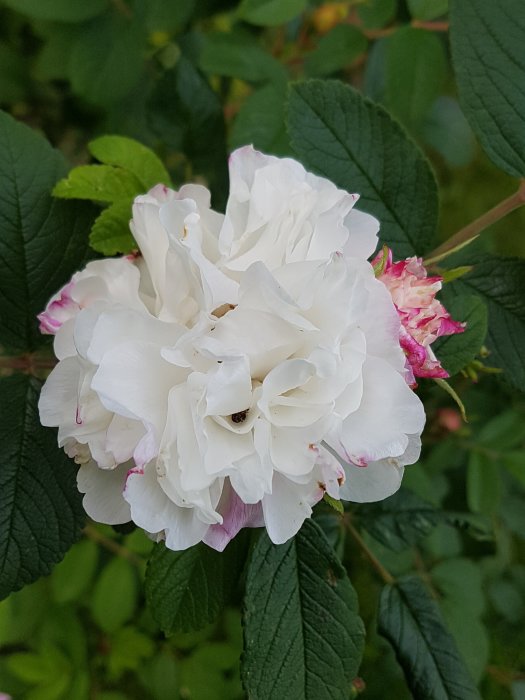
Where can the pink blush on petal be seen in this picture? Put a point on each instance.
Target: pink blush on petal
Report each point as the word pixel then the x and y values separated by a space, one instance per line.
pixel 235 516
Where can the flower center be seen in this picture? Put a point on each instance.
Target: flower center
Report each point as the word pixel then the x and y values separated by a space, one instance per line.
pixel 239 417
pixel 222 310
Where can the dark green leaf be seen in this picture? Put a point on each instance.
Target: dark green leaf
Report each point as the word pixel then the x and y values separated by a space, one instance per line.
pixel 411 621
pixel 427 9
pixel 415 71
pixel 59 10
pixel 43 240
pixel 374 14
pixel 487 40
pixel 111 233
pixel 456 351
pixel 186 590
pixel 336 50
pixel 14 78
pixel 102 183
pixel 357 145
pixel 303 636
pixel 40 506
pixel 499 282
pixel 446 129
pixel 168 16
pixel 238 56
pixel 131 155
pixel 260 121
pixel 270 12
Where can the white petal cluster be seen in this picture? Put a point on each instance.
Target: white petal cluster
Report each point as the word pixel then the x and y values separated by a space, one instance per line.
pixel 238 367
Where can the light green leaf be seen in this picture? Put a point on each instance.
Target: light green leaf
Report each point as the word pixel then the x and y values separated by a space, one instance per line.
pixel 415 71
pixel 357 145
pixel 101 183
pixel 186 590
pixel 427 9
pixel 132 156
pixel 111 233
pixel 411 621
pixel 335 50
pixel 303 637
pixel 237 56
pixel 456 351
pixel 42 241
pixel 59 10
pixel 487 40
pixel 270 12
pixel 40 507
pixel 375 14
pixel 114 597
pixel 483 484
pixel 73 576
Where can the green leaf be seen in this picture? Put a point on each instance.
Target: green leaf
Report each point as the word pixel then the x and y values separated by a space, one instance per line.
pixel 412 623
pixel 40 507
pixel 73 576
pixel 375 14
pixel 111 233
pixel 106 61
pixel 101 183
pixel 415 71
pixel 446 129
pixel 427 9
pixel 186 590
pixel 503 432
pixel 499 283
pixel 270 12
pixel 483 484
pixel 358 146
pixel 114 597
pixel 260 121
pixel 302 632
pixel 335 50
pixel 238 56
pixel 132 156
pixel 58 10
pixel 487 41
pixel 42 240
pixel 14 78
pixel 168 16
pixel 456 351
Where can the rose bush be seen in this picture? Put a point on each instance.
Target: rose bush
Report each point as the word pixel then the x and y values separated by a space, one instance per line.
pixel 238 367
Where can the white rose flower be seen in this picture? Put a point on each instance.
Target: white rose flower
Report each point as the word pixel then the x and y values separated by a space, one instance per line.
pixel 239 367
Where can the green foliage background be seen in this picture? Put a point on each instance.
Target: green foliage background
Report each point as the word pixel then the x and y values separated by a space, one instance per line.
pixel 194 79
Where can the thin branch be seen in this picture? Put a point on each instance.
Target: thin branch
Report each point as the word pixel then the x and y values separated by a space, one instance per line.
pixel 430 26
pixel 469 233
pixel 385 575
pixel 93 534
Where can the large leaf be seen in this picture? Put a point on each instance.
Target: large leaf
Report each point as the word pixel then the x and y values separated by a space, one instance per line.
pixel 411 621
pixel 487 41
pixel 102 183
pixel 43 240
pixel 499 282
pixel 357 145
pixel 303 636
pixel 187 590
pixel 456 351
pixel 40 507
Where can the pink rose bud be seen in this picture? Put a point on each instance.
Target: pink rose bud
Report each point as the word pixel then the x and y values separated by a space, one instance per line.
pixel 423 317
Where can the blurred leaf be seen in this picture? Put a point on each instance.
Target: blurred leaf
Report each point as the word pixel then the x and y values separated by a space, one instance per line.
pixel 411 621
pixel 374 85
pixel 237 56
pixel 270 12
pixel 335 50
pixel 356 144
pixel 161 677
pixel 456 351
pixel 14 79
pixel 504 431
pixel 133 157
pixel 102 183
pixel 40 507
pixel 114 597
pixel 487 41
pixel 375 14
pixel 129 649
pixel 186 590
pixel 303 636
pixel 42 240
pixel 204 673
pixel 427 9
pixel 106 61
pixel 415 72
pixel 515 463
pixel 260 122
pixel 111 233
pixel 459 580
pixel 73 576
pixel 483 484
pixel 499 282
pixel 186 113
pixel 59 10
pixel 169 16
pixel 52 63
pixel 446 129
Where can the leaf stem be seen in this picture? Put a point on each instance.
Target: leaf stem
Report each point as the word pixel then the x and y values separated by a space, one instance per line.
pixel 470 232
pixel 385 575
pixel 93 534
